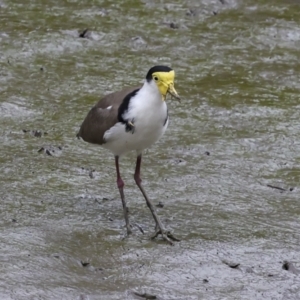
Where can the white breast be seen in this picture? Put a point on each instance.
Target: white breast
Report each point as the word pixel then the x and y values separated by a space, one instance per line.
pixel 148 112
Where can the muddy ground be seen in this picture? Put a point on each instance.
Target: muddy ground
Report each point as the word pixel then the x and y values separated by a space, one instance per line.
pixel 226 172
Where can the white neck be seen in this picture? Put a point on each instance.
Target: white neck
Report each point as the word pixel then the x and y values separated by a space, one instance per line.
pixel 150 88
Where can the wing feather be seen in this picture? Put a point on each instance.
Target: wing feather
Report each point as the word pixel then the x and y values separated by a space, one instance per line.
pixel 103 116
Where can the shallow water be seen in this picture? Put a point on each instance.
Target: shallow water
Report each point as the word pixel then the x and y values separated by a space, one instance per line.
pixel 237 72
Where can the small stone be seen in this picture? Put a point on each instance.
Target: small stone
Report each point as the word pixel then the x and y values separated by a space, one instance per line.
pixel 91 174
pixel 160 204
pixel 84 34
pixel 290 267
pixel 37 133
pixel 48 152
pixel 230 264
pixel 174 25
pixel 84 264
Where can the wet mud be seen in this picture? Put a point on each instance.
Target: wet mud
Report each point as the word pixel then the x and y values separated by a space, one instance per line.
pixel 224 179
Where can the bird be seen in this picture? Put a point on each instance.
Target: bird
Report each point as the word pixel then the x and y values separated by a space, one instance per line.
pixel 133 119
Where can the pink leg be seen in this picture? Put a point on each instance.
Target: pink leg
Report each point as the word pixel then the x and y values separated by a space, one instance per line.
pixel 159 226
pixel 120 184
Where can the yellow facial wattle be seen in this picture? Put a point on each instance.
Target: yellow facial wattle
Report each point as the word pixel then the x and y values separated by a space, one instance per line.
pixel 165 83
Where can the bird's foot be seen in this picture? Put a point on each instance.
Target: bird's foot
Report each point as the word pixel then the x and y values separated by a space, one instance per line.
pixel 130 225
pixel 166 235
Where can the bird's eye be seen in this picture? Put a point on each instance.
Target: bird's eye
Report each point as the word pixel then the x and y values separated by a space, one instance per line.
pixel 155 78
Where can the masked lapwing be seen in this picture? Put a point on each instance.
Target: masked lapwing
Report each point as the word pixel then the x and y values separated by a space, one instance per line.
pixel 133 119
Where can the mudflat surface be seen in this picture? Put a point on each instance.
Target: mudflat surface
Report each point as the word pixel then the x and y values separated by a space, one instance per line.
pixel 227 170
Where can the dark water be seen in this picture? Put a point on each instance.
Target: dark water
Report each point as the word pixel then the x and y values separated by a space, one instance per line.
pixel 238 75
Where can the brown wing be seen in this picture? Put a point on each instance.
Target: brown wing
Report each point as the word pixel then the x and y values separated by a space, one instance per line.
pixel 100 119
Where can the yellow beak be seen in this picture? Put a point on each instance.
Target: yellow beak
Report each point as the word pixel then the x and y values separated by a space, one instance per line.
pixel 172 91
